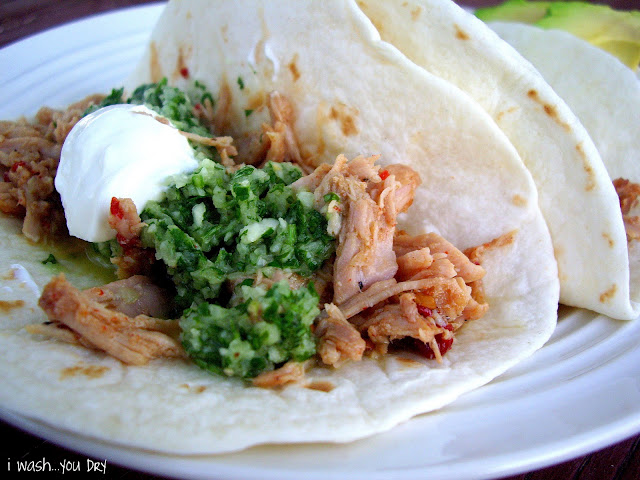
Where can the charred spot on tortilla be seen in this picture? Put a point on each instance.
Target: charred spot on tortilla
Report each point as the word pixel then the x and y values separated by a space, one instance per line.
pixel 591 175
pixel 181 70
pixel 609 294
pixel 519 200
pixel 501 114
pixel 416 12
pixel 408 361
pixel 346 116
pixel 154 63
pixel 293 68
pixel 550 110
pixel 320 385
pixel 222 121
pixel 194 388
pixel 81 369
pixel 609 239
pixel 7 306
pixel 461 34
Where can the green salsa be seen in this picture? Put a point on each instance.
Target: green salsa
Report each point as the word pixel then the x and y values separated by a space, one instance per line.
pixel 215 228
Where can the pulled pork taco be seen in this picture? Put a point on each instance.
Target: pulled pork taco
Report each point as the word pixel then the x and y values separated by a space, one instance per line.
pixel 576 193
pixel 336 241
pixel 607 104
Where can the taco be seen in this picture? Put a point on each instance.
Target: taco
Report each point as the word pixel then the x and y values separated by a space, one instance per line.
pixel 576 194
pixel 300 88
pixel 608 104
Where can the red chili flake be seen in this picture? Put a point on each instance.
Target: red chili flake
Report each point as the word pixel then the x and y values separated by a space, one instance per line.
pixel 198 106
pixel 121 239
pixel 5 177
pixel 184 71
pixel 17 165
pixel 424 311
pixel 115 208
pixel 444 344
pixel 384 174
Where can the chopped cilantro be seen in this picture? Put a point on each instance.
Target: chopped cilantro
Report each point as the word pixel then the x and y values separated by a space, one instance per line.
pixel 51 259
pixel 214 228
pixel 248 112
pixel 217 225
pixel 172 103
pixel 241 83
pixel 114 98
pixel 265 330
pixel 331 196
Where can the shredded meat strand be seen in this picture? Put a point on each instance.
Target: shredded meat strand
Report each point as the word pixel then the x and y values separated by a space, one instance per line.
pixel 282 138
pixel 398 321
pixel 364 251
pixel 135 259
pixel 290 372
pixel 339 341
pixel 133 296
pixel 628 193
pixel 134 341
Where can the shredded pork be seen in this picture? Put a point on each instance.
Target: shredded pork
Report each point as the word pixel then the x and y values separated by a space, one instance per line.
pixel 133 296
pixel 339 340
pixel 290 372
pixel 29 156
pixel 135 259
pixel 388 286
pixel 628 193
pixel 368 209
pixel 132 340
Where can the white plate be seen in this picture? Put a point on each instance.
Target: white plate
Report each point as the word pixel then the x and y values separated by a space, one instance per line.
pixel 579 393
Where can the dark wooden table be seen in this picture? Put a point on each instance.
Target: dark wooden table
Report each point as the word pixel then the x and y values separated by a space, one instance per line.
pixel 20 18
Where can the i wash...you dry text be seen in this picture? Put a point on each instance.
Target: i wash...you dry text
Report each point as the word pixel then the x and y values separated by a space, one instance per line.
pixel 64 466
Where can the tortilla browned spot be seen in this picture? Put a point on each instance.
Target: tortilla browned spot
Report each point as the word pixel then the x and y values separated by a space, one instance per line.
pixel 408 362
pixel 346 116
pixel 154 63
pixel 89 371
pixel 609 240
pixel 548 109
pixel 502 113
pixel 181 69
pixel 591 183
pixel 609 294
pixel 461 34
pixel 415 13
pixel 7 305
pixel 321 386
pixel 293 68
pixel 519 200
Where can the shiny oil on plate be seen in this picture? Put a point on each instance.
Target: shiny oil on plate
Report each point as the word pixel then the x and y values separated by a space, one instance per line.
pixel 579 393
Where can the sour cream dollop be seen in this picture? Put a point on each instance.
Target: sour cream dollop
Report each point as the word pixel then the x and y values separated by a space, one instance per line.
pixel 117 151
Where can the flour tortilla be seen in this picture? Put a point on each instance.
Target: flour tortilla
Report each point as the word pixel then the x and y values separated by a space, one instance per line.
pixel 576 195
pixel 603 93
pixel 475 189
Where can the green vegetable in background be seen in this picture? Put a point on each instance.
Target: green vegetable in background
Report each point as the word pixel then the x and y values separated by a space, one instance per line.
pixel 617 32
